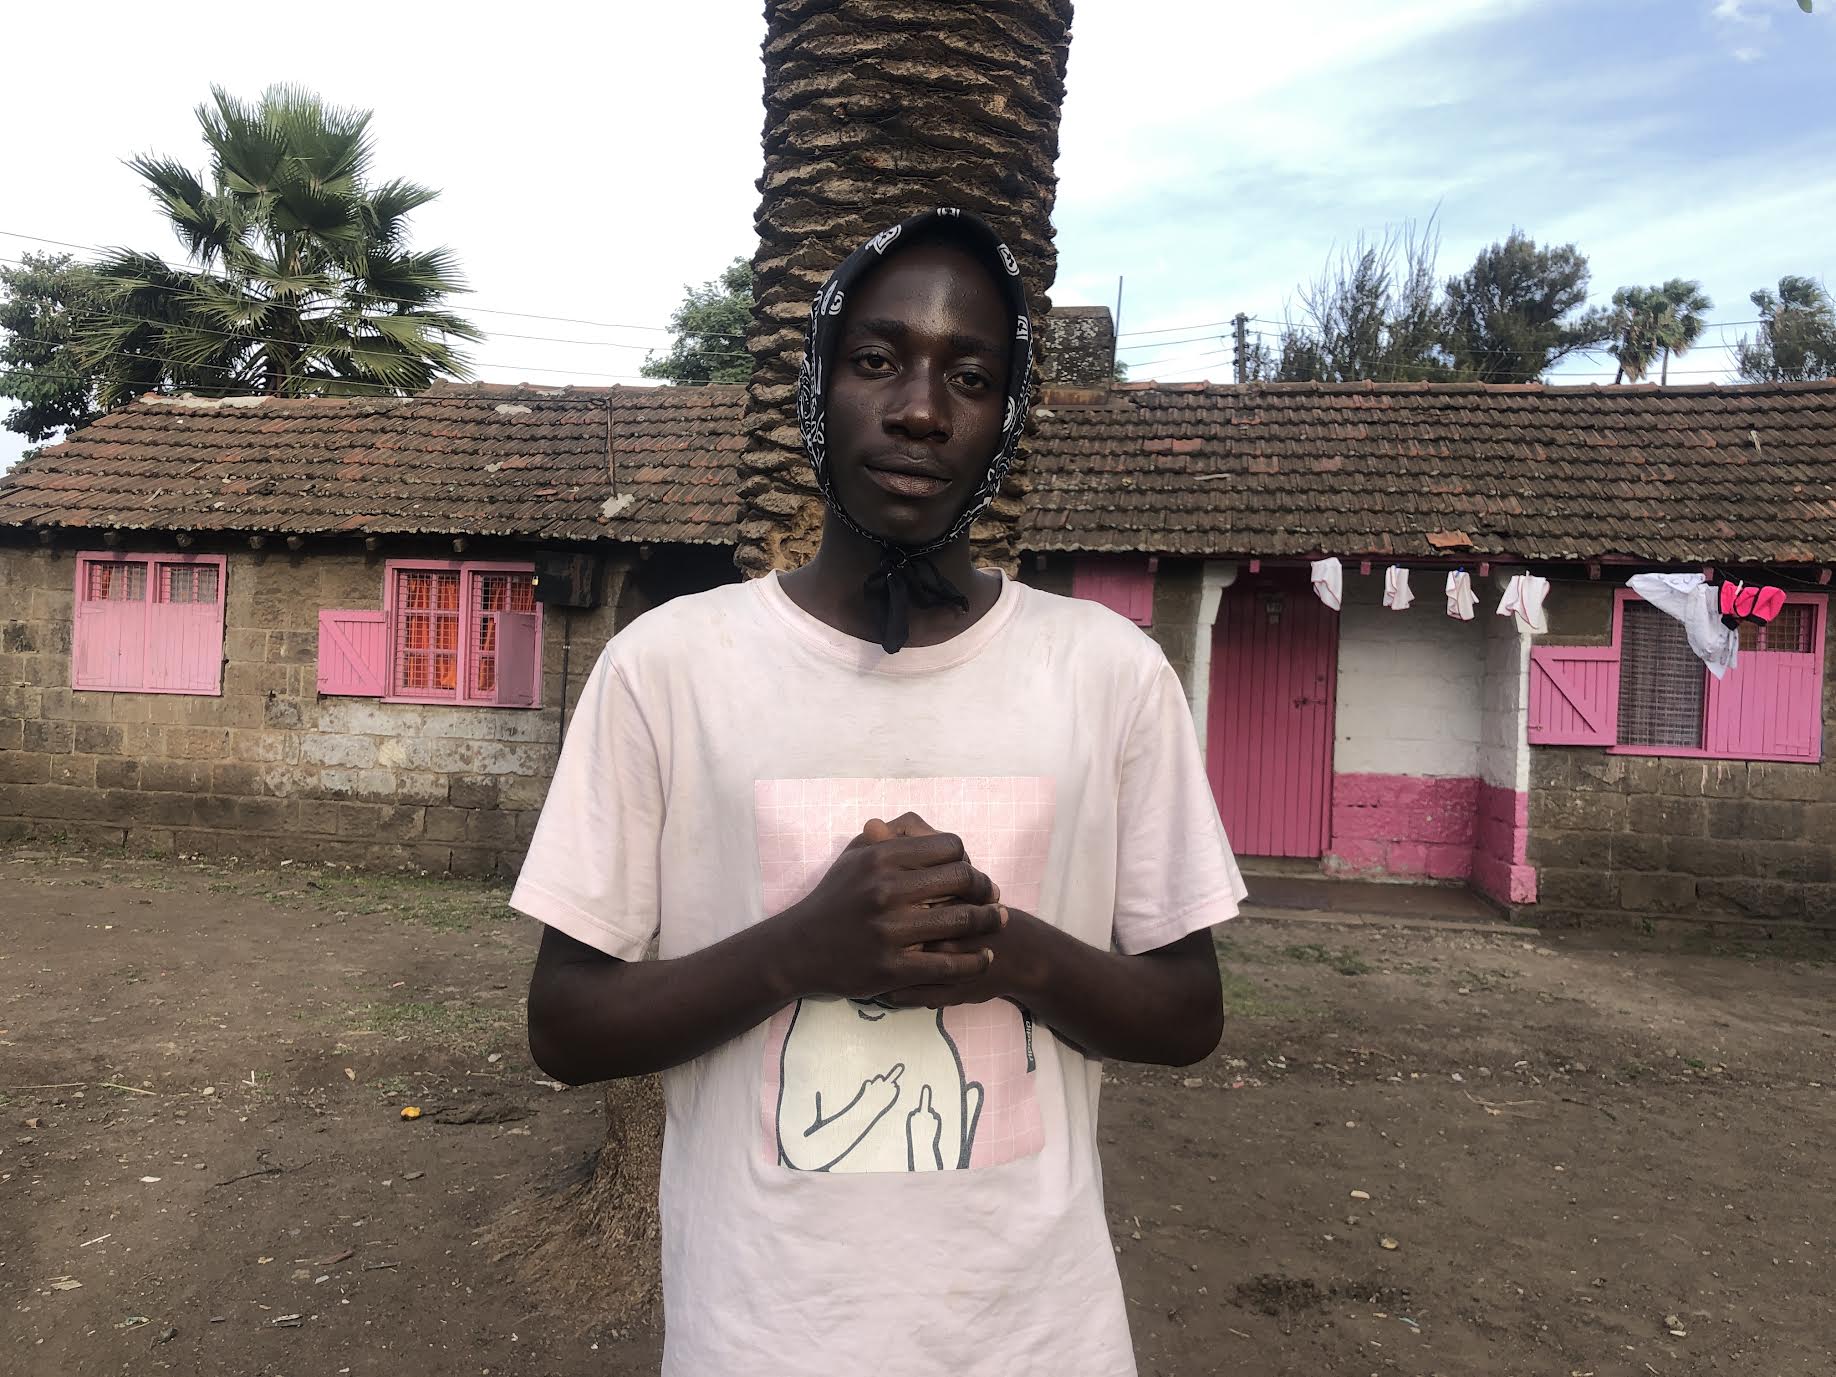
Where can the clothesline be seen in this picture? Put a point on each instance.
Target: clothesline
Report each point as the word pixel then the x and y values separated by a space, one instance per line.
pixel 1710 612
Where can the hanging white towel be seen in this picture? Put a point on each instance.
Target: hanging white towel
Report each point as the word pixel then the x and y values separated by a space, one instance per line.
pixel 1523 599
pixel 1691 600
pixel 1460 595
pixel 1329 582
pixel 1396 594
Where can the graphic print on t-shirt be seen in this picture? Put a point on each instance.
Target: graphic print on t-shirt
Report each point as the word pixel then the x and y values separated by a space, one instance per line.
pixel 851 1086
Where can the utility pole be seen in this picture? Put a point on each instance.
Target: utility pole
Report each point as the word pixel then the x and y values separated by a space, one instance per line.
pixel 1241 322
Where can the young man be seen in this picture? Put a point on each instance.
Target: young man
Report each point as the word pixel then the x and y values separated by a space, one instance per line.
pixel 881 1040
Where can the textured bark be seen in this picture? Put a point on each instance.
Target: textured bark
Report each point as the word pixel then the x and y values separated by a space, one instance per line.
pixel 590 1248
pixel 875 110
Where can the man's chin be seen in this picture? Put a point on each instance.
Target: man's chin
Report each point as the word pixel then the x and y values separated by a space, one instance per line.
pixel 909 525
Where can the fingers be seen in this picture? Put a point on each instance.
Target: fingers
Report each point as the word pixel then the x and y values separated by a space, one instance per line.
pixel 877 831
pixel 956 880
pixel 924 1100
pixel 911 825
pixel 923 852
pixel 921 968
pixel 944 923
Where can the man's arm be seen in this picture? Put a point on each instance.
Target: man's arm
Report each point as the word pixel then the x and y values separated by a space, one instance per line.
pixel 862 930
pixel 1164 1006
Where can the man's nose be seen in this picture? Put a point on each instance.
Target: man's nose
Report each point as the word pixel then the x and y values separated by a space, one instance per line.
pixel 919 408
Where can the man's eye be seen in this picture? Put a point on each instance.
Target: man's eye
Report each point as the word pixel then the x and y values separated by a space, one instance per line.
pixel 872 360
pixel 973 377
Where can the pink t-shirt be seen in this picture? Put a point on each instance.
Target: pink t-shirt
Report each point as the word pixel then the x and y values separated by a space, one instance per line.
pixel 847 1188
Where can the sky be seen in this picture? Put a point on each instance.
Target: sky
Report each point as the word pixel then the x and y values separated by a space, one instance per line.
pixel 594 159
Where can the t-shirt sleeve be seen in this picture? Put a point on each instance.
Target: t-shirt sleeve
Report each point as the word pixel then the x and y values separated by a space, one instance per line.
pixel 1175 873
pixel 592 869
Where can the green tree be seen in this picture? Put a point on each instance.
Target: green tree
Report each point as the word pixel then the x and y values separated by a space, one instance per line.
pixel 710 329
pixel 1797 338
pixel 1521 309
pixel 40 303
pixel 1374 312
pixel 300 279
pixel 1652 323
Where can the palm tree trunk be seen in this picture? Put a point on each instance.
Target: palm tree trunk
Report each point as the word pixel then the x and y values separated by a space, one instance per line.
pixel 874 110
pixel 1664 372
pixel 1619 375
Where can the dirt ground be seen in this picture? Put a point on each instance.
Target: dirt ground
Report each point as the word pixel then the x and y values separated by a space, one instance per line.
pixel 1416 1152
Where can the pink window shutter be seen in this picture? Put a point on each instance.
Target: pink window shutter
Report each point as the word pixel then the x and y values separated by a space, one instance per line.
pixel 185 629
pixel 110 643
pixel 518 667
pixel 1574 696
pixel 353 653
pixel 1122 585
pixel 1770 705
pixel 185 647
pixel 109 634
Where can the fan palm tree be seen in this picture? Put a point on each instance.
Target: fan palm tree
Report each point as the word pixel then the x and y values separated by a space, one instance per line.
pixel 1652 323
pixel 1684 318
pixel 1634 323
pixel 874 110
pixel 300 279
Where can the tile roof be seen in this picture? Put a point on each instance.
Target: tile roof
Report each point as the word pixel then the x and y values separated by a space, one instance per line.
pixel 629 463
pixel 1670 475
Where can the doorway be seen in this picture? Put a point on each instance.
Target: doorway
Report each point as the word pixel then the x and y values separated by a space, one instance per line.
pixel 1274 667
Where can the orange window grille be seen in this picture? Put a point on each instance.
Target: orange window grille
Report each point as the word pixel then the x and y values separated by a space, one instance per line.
pixel 116 581
pixel 188 583
pixel 427 660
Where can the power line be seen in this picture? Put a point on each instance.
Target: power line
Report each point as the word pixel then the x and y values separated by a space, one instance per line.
pixel 399 301
pixel 269 339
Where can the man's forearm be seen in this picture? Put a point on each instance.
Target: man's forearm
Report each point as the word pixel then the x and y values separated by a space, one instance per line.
pixel 596 1020
pixel 1164 1007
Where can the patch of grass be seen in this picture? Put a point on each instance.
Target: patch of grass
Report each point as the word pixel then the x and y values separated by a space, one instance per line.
pixel 463 1025
pixel 1483 980
pixel 1244 998
pixel 445 905
pixel 1341 960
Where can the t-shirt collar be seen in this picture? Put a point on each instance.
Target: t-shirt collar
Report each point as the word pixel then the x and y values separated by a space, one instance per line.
pixel 867 657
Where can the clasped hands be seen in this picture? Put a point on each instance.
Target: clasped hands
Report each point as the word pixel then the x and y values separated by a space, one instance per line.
pixel 903 918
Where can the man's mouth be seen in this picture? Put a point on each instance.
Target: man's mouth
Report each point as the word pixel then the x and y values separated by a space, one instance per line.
pixel 906 477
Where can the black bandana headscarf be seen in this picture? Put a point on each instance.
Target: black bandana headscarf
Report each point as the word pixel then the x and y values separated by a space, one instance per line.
pixel 907 576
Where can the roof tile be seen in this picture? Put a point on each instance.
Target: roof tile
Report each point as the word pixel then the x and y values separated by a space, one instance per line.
pixel 1672 475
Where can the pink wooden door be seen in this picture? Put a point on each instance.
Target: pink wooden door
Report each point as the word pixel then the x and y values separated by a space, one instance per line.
pixel 1274 662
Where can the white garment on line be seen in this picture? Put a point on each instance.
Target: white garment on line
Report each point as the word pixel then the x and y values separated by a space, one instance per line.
pixel 1329 582
pixel 1523 599
pixel 1460 595
pixel 1691 600
pixel 1396 594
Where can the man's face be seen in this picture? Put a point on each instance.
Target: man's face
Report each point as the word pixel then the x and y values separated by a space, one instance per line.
pixel 917 393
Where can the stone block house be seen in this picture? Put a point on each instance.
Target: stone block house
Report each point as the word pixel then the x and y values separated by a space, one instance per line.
pixel 350 628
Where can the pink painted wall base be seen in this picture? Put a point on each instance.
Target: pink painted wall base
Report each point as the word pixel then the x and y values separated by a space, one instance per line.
pixel 1501 867
pixel 1415 828
pixel 1404 826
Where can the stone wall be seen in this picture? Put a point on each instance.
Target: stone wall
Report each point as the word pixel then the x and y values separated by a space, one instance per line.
pixel 1631 837
pixel 270 768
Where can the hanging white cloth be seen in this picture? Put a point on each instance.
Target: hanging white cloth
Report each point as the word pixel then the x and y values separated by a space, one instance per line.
pixel 1329 582
pixel 1523 599
pixel 1460 598
pixel 1396 594
pixel 1691 600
